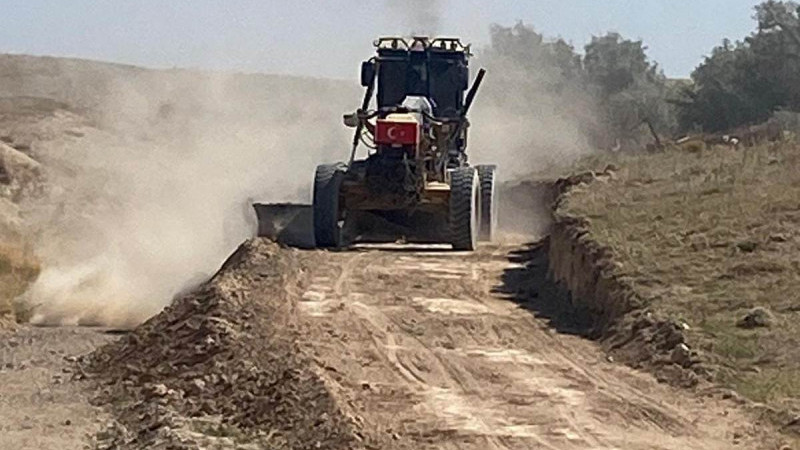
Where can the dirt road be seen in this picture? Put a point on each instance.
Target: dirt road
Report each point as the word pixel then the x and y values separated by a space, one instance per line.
pixel 445 350
pixel 376 347
pixel 41 406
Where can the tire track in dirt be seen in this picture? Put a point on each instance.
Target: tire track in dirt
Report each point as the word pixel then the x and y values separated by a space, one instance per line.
pixel 433 356
pixel 460 374
pixel 379 322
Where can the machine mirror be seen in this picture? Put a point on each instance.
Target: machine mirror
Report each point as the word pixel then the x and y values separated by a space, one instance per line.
pixel 367 73
pixel 351 120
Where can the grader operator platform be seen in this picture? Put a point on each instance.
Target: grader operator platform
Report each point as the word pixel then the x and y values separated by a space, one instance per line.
pixel 415 183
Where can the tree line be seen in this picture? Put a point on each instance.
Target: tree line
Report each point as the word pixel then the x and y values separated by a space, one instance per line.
pixel 632 102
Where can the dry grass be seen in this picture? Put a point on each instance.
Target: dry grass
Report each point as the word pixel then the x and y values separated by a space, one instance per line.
pixel 18 269
pixel 704 236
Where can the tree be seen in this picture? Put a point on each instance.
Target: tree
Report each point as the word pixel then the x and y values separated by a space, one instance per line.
pixel 746 82
pixel 553 65
pixel 614 64
pixel 631 88
pixel 613 94
pixel 536 101
pixel 780 17
pixel 717 100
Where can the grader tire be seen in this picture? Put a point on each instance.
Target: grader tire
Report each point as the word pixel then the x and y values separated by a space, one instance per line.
pixel 464 214
pixel 487 175
pixel 327 216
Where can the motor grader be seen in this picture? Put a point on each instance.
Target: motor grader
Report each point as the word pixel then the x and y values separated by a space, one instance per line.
pixel 415 183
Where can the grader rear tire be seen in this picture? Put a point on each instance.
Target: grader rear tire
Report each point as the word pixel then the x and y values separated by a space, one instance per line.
pixel 489 203
pixel 327 215
pixel 464 214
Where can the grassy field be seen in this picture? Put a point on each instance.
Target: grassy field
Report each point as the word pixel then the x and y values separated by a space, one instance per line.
pixel 707 235
pixel 18 269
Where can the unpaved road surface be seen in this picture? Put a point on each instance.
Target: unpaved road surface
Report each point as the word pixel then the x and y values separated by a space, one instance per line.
pixel 390 347
pixel 42 406
pixel 445 350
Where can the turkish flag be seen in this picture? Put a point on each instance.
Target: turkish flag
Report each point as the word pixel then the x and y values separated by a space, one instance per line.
pixel 394 132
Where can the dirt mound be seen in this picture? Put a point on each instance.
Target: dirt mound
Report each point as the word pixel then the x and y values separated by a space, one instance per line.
pixel 221 367
pixel 20 176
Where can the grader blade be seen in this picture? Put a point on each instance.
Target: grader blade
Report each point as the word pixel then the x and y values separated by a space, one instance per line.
pixel 286 223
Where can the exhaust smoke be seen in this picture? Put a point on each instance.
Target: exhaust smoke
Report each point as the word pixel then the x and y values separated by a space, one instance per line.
pixel 418 17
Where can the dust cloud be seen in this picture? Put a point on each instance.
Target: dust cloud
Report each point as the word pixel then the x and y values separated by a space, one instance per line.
pixel 157 192
pixel 531 119
pixel 526 118
pixel 154 196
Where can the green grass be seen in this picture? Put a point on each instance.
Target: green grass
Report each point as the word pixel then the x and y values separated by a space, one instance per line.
pixel 704 235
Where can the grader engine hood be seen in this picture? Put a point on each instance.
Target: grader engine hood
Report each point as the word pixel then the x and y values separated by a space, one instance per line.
pixel 397 130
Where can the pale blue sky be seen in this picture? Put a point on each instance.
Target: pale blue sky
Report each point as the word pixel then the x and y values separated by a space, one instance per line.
pixel 329 38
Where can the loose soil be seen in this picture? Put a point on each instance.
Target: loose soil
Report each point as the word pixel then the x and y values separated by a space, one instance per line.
pixel 45 404
pixel 391 347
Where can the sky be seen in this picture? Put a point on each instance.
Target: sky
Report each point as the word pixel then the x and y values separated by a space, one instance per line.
pixel 329 38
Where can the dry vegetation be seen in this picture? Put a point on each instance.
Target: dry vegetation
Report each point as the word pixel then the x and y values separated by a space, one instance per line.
pixel 708 236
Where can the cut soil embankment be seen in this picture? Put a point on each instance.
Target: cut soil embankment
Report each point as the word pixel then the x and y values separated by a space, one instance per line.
pixel 686 266
pixel 221 367
pixel 613 311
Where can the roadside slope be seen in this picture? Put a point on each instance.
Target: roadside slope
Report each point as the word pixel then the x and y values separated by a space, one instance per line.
pixel 689 261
